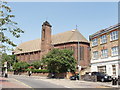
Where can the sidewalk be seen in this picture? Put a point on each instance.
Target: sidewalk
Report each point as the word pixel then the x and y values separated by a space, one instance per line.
pixel 11 83
pixel 78 83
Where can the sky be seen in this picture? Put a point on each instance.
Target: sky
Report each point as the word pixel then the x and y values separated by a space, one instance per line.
pixel 89 17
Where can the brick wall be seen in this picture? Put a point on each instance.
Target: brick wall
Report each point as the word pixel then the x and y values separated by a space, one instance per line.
pixel 72 46
pixel 30 56
pixel 107 45
pixel 46 39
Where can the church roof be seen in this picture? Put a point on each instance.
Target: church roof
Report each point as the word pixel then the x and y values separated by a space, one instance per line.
pixel 61 38
pixel 47 23
pixel 69 36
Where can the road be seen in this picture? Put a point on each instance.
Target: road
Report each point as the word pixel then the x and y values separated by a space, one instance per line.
pixel 42 82
pixel 33 82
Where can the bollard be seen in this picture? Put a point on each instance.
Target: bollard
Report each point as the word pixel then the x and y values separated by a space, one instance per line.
pixel 53 75
pixel 6 75
pixel 77 77
pixel 114 81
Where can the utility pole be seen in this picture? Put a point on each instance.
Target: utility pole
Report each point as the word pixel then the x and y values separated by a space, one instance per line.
pixel 78 51
pixel 79 67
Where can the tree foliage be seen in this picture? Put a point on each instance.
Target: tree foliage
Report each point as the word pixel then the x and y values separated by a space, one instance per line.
pixel 7 25
pixel 60 61
pixel 36 64
pixel 10 59
pixel 20 66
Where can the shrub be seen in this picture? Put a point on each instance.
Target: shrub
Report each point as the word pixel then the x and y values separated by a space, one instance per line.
pixel 10 70
pixel 36 64
pixel 38 70
pixel 20 66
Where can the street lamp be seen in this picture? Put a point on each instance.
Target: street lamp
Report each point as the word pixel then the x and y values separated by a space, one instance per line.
pixel 79 67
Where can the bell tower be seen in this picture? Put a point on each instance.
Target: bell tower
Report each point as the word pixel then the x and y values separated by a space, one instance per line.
pixel 46 38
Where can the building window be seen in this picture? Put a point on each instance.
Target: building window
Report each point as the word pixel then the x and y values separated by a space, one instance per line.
pixel 104 53
pixel 114 51
pixel 113 35
pixel 95 55
pixel 103 39
pixel 114 69
pixel 102 69
pixel 95 42
pixel 72 48
pixel 43 34
pixel 81 53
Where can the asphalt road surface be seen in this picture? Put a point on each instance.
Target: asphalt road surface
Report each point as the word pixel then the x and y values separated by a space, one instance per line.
pixel 40 83
pixel 32 82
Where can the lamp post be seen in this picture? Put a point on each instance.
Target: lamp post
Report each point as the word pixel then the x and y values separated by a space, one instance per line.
pixel 78 51
pixel 79 67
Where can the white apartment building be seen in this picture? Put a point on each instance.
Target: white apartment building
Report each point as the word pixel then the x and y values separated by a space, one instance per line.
pixel 105 51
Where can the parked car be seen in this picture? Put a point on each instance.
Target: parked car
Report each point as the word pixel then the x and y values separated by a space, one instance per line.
pixel 74 77
pixel 101 76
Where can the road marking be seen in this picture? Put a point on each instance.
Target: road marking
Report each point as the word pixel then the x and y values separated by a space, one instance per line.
pixel 67 87
pixel 23 83
pixel 103 87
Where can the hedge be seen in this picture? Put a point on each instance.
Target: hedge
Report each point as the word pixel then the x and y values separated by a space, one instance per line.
pixel 10 70
pixel 39 70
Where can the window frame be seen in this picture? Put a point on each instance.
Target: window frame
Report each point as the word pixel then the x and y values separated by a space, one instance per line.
pixel 114 51
pixel 95 42
pixel 114 70
pixel 95 55
pixel 113 35
pixel 103 39
pixel 104 53
pixel 102 68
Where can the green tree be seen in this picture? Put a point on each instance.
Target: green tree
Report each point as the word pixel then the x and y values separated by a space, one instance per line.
pixel 60 61
pixel 20 66
pixel 10 59
pixel 7 25
pixel 37 64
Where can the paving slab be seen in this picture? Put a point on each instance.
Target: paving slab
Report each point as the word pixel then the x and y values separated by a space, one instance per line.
pixel 11 83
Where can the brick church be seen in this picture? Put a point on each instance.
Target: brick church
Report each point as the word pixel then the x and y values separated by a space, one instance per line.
pixel 34 50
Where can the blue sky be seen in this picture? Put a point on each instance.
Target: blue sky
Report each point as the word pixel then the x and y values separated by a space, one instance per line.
pixel 90 17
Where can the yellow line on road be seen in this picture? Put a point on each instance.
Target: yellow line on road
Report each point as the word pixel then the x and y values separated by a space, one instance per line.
pixel 23 83
pixel 103 87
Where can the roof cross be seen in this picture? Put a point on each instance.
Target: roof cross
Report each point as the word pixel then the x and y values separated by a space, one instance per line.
pixel 76 27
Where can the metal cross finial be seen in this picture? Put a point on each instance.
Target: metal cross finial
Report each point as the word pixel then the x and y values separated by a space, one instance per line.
pixel 76 27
